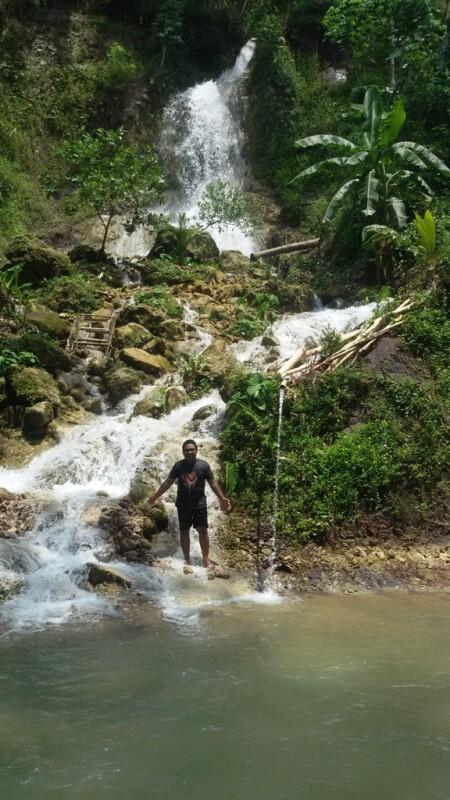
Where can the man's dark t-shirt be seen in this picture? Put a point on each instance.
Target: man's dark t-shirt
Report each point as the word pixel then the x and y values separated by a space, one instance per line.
pixel 191 482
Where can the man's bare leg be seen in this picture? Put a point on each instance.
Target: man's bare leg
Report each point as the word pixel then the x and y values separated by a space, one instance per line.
pixel 204 545
pixel 185 541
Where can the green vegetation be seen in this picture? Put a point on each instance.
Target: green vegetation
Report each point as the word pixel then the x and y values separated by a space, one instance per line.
pixel 106 174
pixel 160 297
pixel 352 442
pixel 76 293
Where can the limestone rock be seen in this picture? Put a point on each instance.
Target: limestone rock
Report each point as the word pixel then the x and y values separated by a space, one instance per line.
pixel 219 359
pixel 139 359
pixel 153 405
pixel 131 335
pixel 175 396
pixel 99 573
pixel 156 346
pixel 200 246
pixel 47 321
pixel 32 384
pixel 37 418
pixel 235 262
pixel 38 259
pixel 17 514
pixel 148 317
pixel 203 413
pixel 121 382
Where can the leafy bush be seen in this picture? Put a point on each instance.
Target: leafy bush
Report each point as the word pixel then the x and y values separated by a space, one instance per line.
pixel 10 360
pixel 76 293
pixel 194 375
pixel 427 333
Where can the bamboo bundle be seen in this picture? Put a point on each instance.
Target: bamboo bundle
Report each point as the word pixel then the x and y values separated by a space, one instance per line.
pixel 306 361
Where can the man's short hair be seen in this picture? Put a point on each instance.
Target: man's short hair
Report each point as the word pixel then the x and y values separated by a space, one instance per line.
pixel 189 441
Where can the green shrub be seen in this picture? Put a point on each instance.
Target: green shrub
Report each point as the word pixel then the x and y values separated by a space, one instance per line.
pixel 427 333
pixel 76 293
pixel 11 360
pixel 160 297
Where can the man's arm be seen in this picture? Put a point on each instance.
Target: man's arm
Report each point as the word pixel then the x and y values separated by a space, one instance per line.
pixel 163 488
pixel 224 502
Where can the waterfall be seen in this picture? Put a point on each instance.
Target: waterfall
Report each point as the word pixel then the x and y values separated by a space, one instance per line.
pixel 200 142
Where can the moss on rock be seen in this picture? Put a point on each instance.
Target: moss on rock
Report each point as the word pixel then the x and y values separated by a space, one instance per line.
pixel 38 260
pixel 31 385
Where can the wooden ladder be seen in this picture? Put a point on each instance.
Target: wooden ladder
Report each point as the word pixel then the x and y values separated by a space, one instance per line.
pixel 92 332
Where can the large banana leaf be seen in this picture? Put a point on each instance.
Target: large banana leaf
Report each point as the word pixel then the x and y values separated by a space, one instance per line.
pixel 398 211
pixel 409 156
pixel 325 139
pixel 372 111
pixel 372 193
pixel 394 122
pixel 379 234
pixel 426 154
pixel 337 200
pixel 338 161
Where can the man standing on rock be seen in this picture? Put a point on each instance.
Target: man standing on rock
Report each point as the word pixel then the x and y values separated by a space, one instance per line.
pixel 191 473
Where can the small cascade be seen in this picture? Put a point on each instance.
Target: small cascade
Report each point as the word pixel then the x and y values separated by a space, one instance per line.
pixel 200 143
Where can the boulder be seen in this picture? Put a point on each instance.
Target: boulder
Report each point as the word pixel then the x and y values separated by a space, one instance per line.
pixel 84 253
pixel 37 418
pixel 146 316
pixel 131 335
pixel 204 412
pixel 175 396
pixel 171 329
pixel 153 405
pixel 99 574
pixel 47 321
pixel 156 346
pixel 235 262
pixel 200 245
pixel 93 405
pixel 219 359
pixel 32 384
pixel 121 382
pixel 38 260
pixel 139 359
pixel 49 352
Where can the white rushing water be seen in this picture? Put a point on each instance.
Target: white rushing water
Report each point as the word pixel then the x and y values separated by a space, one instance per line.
pixel 201 142
pixel 97 461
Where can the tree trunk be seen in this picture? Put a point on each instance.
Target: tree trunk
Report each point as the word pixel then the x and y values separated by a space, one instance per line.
pixel 106 231
pixel 295 247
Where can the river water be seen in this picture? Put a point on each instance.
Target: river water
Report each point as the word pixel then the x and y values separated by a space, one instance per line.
pixel 328 698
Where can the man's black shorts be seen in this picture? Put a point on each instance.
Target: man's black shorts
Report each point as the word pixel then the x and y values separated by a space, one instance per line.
pixel 196 517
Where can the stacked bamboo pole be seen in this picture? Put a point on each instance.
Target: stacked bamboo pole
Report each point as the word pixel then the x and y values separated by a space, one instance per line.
pixel 353 344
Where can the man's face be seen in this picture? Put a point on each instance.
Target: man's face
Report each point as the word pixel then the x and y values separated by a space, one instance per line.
pixel 190 453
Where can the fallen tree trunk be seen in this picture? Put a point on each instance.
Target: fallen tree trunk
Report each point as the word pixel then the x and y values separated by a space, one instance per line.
pixel 295 247
pixel 353 344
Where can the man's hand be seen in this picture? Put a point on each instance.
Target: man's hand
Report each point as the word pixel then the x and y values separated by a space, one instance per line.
pixel 225 504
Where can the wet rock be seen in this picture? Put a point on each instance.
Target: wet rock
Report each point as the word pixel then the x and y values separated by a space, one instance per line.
pixel 93 405
pixel 47 321
pixel 200 247
pixel 235 262
pixel 10 584
pixel 37 418
pixel 38 260
pixel 175 396
pixel 121 382
pixel 219 359
pixel 153 405
pixel 123 523
pixel 139 359
pixel 268 340
pixel 148 317
pixel 156 346
pixel 99 573
pixel 203 413
pixel 96 364
pixel 18 513
pixel 131 335
pixel 32 384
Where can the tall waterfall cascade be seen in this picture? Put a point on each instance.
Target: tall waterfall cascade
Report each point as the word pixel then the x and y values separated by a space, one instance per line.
pixel 201 142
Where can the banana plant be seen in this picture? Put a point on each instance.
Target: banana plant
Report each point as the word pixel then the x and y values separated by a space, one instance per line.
pixel 380 171
pixel 426 229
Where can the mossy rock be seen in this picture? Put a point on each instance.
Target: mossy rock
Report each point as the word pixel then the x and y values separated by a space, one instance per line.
pixel 31 385
pixel 37 418
pixel 122 381
pixel 38 260
pixel 153 405
pixel 139 359
pixel 49 353
pixel 175 397
pixel 200 246
pixel 131 335
pixel 148 317
pixel 235 262
pixel 47 321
